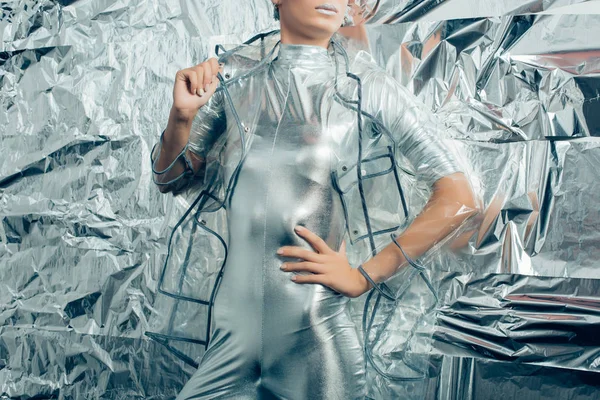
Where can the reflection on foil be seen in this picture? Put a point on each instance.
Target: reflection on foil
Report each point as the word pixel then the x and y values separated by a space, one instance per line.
pixel 85 89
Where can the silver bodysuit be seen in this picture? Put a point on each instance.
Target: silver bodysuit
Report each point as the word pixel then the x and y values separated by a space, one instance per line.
pixel 315 137
pixel 274 338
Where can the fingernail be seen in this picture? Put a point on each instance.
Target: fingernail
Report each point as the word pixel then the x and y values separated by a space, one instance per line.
pixel 293 277
pixel 200 92
pixel 283 266
pixel 206 88
pixel 280 251
pixel 298 229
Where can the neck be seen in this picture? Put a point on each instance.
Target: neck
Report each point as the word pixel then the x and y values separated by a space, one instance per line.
pixel 290 37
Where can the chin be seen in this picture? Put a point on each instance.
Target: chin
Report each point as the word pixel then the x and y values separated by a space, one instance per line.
pixel 314 25
pixel 324 27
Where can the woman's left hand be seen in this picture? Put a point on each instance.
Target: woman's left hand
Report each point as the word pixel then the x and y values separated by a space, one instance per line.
pixel 329 267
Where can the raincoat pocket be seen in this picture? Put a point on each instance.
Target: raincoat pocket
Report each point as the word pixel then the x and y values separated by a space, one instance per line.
pixel 375 205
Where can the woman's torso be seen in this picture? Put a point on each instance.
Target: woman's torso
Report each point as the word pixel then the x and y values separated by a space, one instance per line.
pixel 284 181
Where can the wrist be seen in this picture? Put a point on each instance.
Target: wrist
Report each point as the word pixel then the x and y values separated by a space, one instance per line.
pixel 371 270
pixel 182 117
pixel 363 282
pixel 177 133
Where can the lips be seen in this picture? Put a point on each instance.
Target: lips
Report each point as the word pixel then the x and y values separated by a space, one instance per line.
pixel 327 7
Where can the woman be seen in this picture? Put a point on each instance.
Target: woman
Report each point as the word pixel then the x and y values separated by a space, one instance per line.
pixel 282 327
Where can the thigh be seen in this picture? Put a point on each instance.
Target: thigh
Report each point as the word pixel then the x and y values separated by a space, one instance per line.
pixel 230 366
pixel 227 371
pixel 324 361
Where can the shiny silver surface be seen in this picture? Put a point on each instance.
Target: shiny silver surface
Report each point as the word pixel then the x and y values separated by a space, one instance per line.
pixel 273 338
pixel 86 89
pixel 271 335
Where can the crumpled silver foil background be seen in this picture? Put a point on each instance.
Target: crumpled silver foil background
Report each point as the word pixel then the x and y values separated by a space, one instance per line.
pixel 86 87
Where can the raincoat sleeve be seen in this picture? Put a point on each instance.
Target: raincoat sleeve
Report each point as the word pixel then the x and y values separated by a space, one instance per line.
pixel 419 136
pixel 208 124
pixel 417 132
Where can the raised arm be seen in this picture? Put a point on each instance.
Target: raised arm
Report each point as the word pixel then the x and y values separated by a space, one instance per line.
pixel 195 121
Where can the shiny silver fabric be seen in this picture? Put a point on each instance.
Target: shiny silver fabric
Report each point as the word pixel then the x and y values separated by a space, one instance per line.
pixel 86 89
pixel 272 337
pixel 292 165
pixel 395 11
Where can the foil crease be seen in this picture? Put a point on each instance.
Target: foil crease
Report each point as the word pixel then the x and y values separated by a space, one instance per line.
pixel 86 89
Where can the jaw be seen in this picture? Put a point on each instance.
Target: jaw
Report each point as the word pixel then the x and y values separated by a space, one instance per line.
pixel 318 31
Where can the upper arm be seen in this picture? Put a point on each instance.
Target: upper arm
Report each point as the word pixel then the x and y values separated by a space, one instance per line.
pixel 208 125
pixel 416 131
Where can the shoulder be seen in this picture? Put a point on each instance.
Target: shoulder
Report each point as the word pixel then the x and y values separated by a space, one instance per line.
pixel 236 65
pixel 248 56
pixel 381 92
pixel 373 77
pixel 367 69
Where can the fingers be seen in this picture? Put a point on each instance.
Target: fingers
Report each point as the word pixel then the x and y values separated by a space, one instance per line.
pixel 202 76
pixel 299 252
pixel 315 241
pixel 199 70
pixel 314 278
pixel 208 75
pixel 192 77
pixel 211 69
pixel 304 266
pixel 215 67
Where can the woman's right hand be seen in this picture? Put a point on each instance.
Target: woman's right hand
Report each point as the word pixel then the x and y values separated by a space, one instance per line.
pixel 194 86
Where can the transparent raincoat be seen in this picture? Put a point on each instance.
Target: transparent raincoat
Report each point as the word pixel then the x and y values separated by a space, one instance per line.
pixel 386 152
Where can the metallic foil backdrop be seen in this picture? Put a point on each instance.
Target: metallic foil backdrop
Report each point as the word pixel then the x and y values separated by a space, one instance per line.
pixel 86 89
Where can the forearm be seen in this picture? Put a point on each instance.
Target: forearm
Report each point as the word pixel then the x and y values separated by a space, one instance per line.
pixel 451 203
pixel 174 140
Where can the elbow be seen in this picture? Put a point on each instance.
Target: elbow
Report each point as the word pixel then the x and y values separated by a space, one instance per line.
pixel 468 217
pixel 164 188
pixel 177 186
pixel 469 206
pixel 457 194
